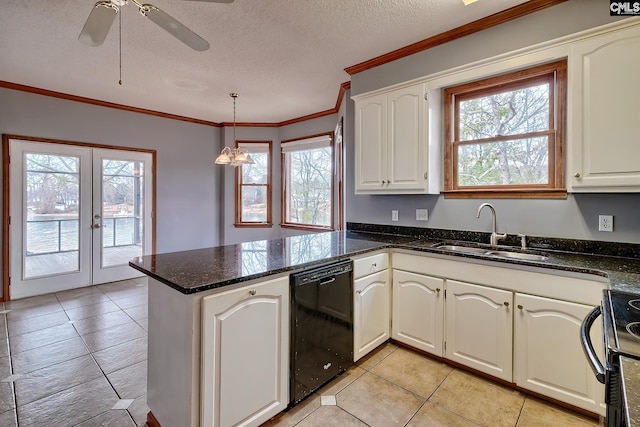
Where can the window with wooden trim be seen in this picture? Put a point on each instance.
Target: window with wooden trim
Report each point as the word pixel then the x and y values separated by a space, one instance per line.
pixel 307 182
pixel 504 136
pixel 253 186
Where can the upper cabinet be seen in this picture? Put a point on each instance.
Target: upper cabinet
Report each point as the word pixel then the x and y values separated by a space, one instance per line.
pixel 604 100
pixel 392 142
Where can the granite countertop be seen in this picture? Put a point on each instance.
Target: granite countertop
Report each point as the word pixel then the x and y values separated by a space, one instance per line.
pixel 202 269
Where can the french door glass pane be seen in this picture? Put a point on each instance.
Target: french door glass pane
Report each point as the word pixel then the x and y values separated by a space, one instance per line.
pixel 51 197
pixel 122 211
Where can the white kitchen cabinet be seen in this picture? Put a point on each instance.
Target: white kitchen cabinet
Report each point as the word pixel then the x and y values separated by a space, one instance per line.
pixel 391 149
pixel 479 327
pixel 548 357
pixel 245 354
pixel 371 312
pixel 418 310
pixel 604 100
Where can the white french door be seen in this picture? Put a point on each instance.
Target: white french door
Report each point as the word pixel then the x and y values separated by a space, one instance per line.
pixel 77 215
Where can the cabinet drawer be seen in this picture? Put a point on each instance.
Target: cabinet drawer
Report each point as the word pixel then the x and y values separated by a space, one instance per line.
pixel 370 264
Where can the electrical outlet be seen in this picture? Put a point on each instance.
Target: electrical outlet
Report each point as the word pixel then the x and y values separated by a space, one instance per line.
pixel 605 223
pixel 422 215
pixel 394 215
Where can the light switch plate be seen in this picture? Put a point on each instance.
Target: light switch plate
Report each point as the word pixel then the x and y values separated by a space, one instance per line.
pixel 422 214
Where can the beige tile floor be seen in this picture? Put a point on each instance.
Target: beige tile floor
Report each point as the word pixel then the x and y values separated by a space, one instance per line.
pixel 395 386
pixel 75 358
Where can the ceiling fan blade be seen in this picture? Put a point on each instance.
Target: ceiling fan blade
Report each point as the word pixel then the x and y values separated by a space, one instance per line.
pixel 174 27
pixel 98 23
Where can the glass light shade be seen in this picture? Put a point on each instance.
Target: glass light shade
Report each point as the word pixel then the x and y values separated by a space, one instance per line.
pixel 223 159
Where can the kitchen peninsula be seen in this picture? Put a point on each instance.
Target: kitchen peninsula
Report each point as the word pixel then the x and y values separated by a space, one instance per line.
pixel 184 387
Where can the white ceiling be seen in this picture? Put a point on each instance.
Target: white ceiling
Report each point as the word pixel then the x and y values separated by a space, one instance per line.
pixel 286 58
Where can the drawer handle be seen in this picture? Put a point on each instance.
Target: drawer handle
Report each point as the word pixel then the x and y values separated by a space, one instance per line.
pixel 252 292
pixel 506 304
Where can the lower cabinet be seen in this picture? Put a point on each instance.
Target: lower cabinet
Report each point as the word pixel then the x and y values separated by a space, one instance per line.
pixel 371 312
pixel 548 356
pixel 479 326
pixel 418 308
pixel 245 355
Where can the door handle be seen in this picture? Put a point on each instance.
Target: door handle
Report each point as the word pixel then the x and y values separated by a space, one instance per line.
pixel 97 225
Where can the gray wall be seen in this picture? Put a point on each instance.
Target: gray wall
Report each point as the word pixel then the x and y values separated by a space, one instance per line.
pixel 576 217
pixel 231 234
pixel 187 207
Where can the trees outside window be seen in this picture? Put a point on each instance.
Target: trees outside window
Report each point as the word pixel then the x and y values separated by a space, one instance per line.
pixel 307 182
pixel 504 136
pixel 253 186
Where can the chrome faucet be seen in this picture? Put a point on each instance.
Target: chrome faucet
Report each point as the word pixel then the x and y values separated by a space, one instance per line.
pixel 494 235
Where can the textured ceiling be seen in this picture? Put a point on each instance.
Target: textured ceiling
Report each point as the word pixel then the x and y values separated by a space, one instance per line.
pixel 285 58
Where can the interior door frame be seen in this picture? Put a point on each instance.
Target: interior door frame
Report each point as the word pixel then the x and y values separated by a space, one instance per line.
pixel 6 188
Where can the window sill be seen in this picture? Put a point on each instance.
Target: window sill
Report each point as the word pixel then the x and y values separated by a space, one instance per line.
pixel 306 227
pixel 253 225
pixel 541 193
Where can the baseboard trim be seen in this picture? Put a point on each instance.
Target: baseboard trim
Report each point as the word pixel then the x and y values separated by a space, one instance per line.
pixel 152 421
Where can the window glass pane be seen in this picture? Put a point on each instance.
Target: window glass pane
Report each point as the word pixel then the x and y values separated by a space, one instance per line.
pixel 254 203
pixel 257 173
pixel 515 162
pixel 308 195
pixel 51 200
pixel 505 113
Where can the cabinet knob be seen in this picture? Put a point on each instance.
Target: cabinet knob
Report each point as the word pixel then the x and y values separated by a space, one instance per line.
pixel 438 290
pixel 373 264
pixel 506 304
pixel 358 292
pixel 577 175
pixel 383 181
pixel 252 292
pixel 520 307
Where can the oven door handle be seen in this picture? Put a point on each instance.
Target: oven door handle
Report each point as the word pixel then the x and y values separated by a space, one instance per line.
pixel 587 345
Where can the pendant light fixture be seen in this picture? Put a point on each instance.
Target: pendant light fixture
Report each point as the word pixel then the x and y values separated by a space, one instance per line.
pixel 234 156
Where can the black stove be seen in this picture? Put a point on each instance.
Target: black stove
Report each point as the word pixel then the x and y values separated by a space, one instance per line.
pixel 621 321
pixel 621 334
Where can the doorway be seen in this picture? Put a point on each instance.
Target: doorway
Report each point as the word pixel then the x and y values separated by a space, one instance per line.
pixel 77 215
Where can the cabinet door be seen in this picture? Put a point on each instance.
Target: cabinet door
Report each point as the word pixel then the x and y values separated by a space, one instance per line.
pixel 418 307
pixel 604 104
pixel 407 139
pixel 370 155
pixel 245 354
pixel 548 356
pixel 479 325
pixel 371 313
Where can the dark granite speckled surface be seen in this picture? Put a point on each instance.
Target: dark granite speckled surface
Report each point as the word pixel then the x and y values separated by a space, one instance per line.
pixel 202 269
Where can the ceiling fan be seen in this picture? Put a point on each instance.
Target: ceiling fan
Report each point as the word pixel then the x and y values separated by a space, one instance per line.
pixel 101 18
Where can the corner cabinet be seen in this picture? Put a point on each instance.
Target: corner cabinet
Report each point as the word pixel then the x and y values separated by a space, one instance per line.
pixel 604 100
pixel 392 142
pixel 245 354
pixel 372 303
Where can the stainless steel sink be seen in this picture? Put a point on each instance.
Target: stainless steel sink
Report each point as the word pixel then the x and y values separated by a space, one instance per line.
pixel 465 249
pixel 518 255
pixel 493 253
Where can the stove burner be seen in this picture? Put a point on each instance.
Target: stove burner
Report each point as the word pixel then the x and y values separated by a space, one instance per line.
pixel 634 303
pixel 634 329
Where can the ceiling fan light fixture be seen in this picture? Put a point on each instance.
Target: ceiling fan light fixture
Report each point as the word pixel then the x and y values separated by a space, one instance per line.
pixel 468 2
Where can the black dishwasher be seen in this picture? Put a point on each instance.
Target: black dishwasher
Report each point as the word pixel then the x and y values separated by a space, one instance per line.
pixel 321 327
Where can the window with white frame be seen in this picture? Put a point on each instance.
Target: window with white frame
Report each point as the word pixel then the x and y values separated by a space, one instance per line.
pixel 253 186
pixel 307 182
